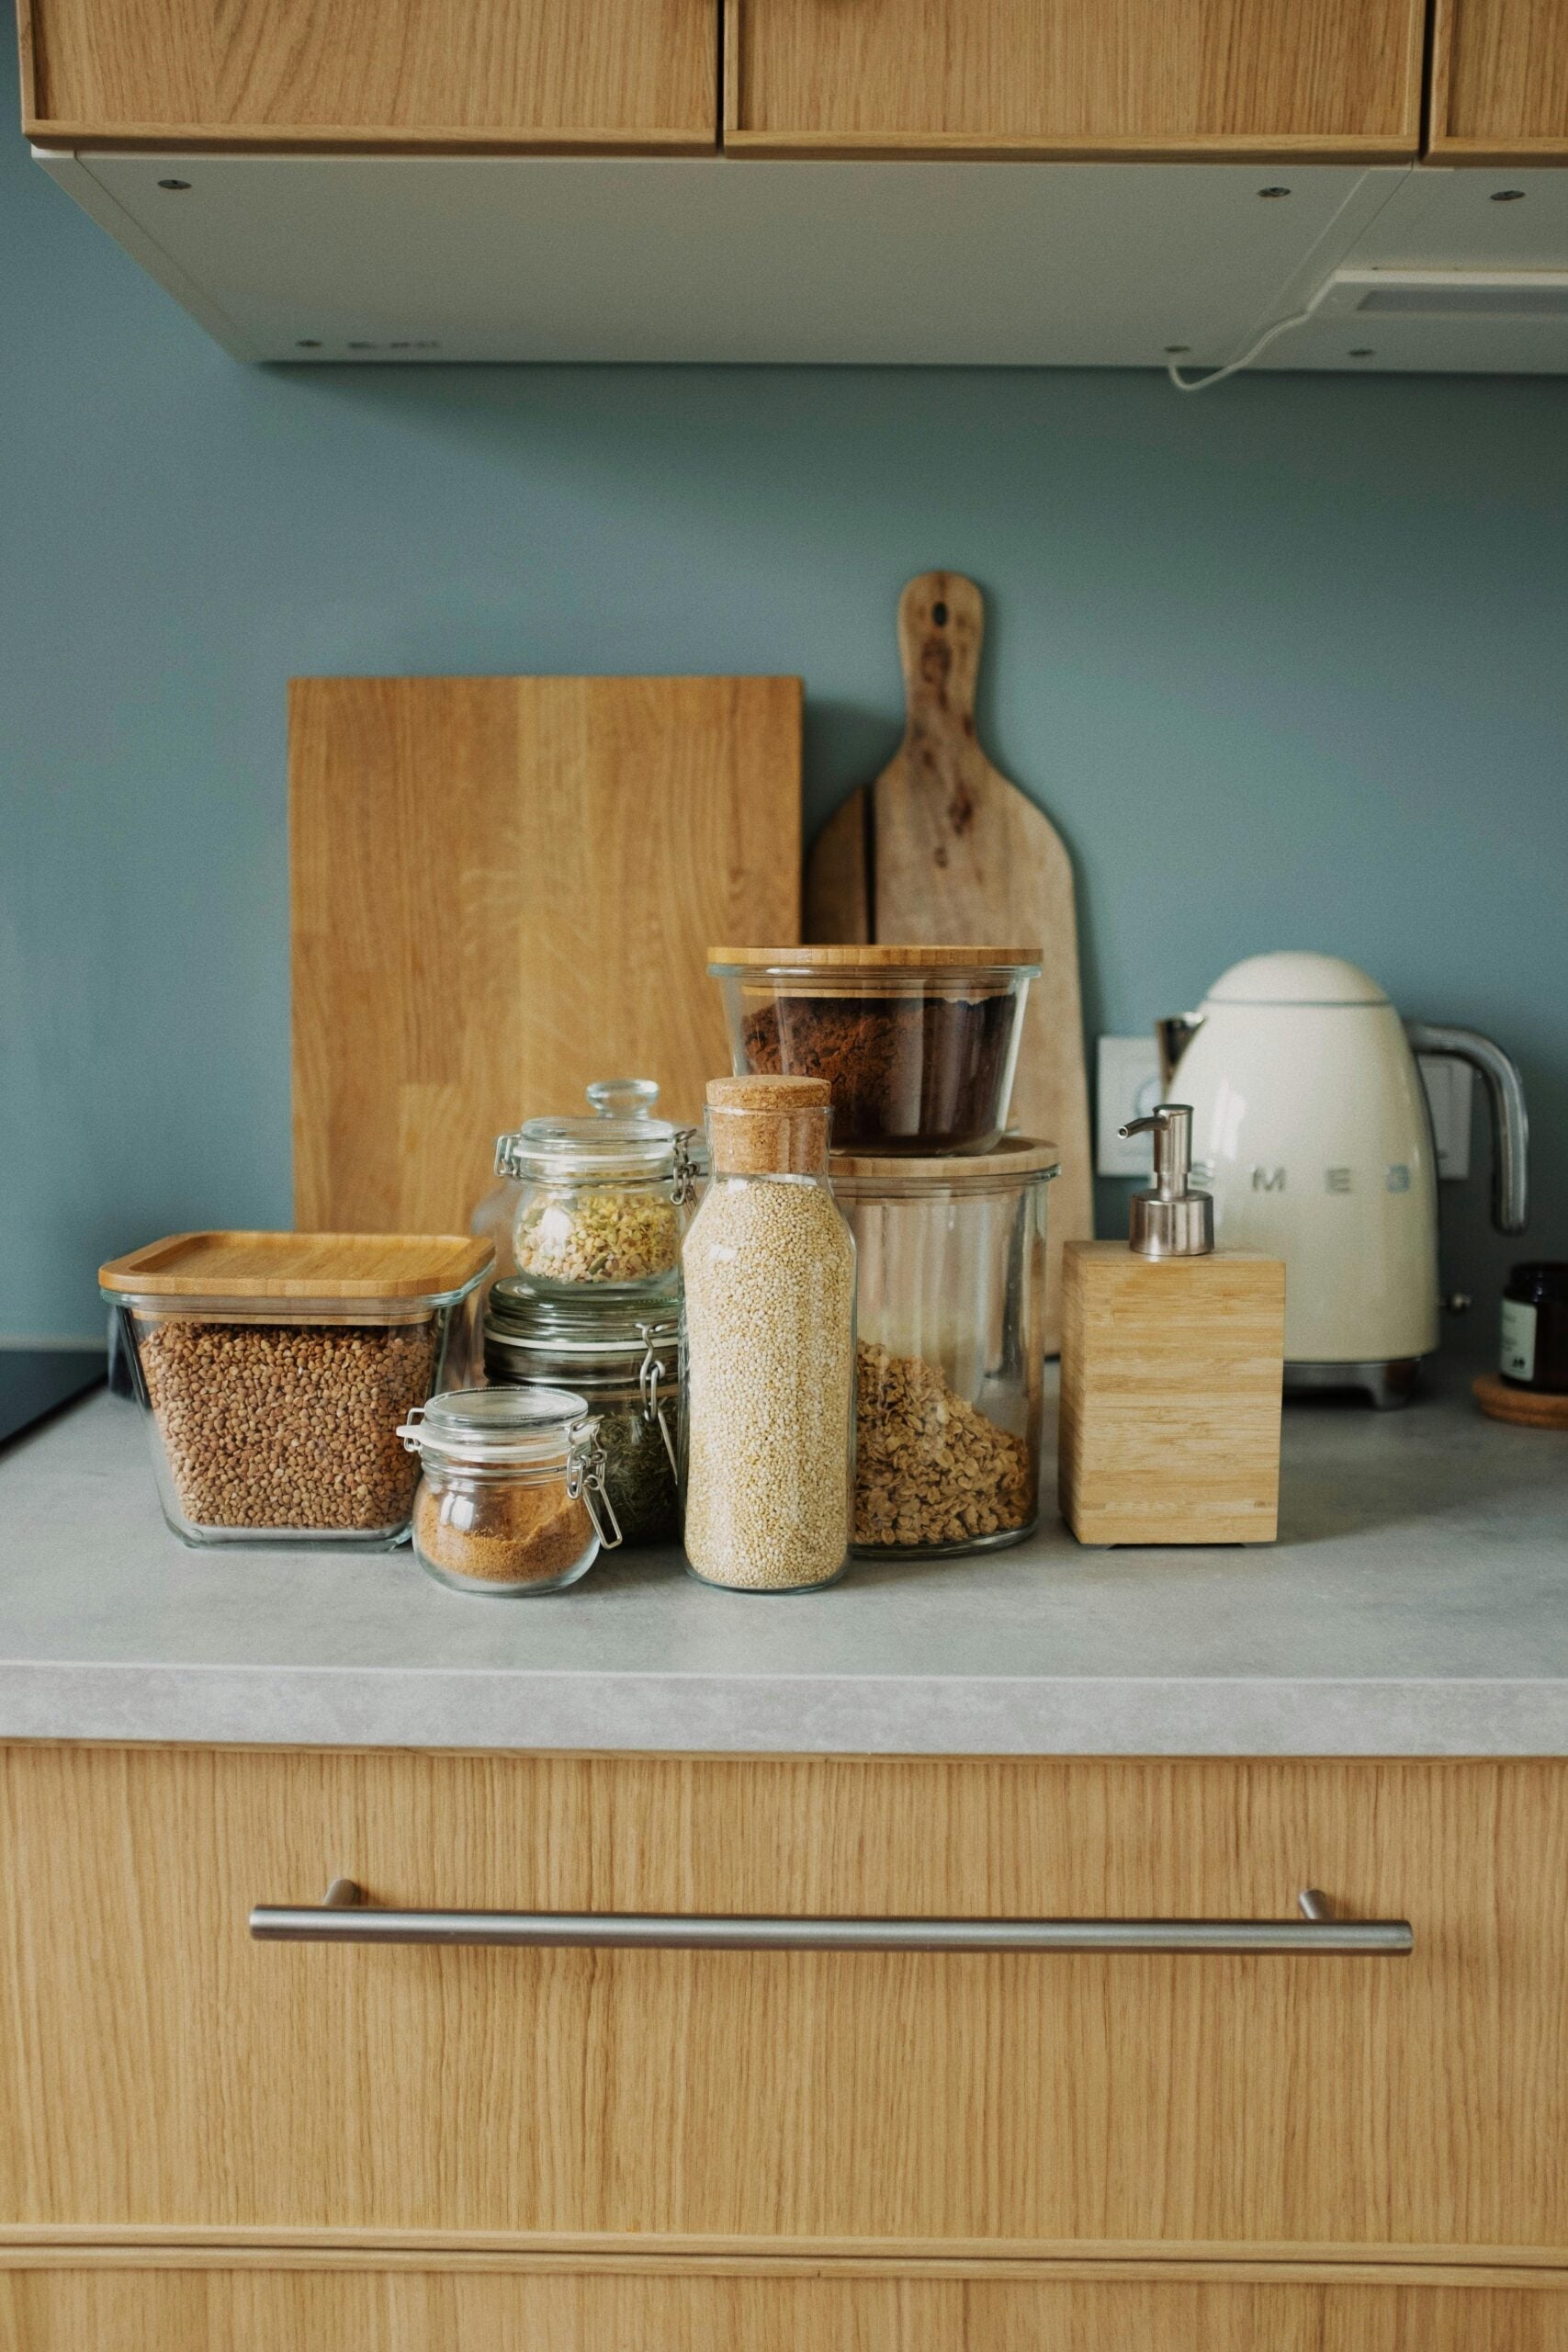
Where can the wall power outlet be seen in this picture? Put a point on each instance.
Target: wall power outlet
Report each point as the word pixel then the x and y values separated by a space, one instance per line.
pixel 1127 1085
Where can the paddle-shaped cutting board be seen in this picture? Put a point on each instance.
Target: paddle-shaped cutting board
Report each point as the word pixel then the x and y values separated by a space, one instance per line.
pixel 943 849
pixel 503 888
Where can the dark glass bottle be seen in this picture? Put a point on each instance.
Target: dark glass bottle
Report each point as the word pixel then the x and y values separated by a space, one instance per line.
pixel 1535 1329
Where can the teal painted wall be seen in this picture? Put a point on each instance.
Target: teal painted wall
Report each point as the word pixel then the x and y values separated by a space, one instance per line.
pixel 1287 664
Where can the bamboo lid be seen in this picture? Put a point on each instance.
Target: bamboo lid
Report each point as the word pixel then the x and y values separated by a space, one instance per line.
pixel 878 958
pixel 321 1266
pixel 768 1127
pixel 1015 1157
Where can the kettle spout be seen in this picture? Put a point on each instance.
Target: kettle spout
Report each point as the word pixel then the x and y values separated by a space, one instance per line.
pixel 1173 1036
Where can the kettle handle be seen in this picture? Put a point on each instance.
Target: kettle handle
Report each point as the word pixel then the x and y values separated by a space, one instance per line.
pixel 1172 1036
pixel 1505 1099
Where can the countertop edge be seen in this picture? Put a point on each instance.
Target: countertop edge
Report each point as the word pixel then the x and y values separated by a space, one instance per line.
pixel 509 1711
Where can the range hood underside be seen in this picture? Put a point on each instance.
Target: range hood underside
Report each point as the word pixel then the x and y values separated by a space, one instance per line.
pixel 628 259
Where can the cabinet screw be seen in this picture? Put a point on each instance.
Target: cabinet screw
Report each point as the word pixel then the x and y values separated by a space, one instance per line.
pixel 172 184
pixel 1176 350
pixel 1507 196
pixel 1363 351
pixel 1273 191
pixel 307 342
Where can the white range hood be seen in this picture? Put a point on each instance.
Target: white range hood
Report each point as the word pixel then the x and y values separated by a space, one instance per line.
pixel 533 257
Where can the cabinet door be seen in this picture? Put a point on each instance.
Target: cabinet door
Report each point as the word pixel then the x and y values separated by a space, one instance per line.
pixel 1500 81
pixel 422 2307
pixel 160 2070
pixel 1330 78
pixel 439 74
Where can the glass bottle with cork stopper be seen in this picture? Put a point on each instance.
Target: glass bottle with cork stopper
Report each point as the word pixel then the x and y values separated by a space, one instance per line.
pixel 768 1345
pixel 1173 1357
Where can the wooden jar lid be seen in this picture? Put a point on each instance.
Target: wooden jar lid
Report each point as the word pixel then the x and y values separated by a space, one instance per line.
pixel 321 1266
pixel 878 958
pixel 1014 1156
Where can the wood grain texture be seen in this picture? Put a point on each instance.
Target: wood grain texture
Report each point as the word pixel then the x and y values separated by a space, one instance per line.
pixel 520 72
pixel 432 2311
pixel 941 847
pixel 158 2067
pixel 503 888
pixel 1499 82
pixel 1078 77
pixel 1171 1376
pixel 28 2246
pixel 876 957
pixel 297 1265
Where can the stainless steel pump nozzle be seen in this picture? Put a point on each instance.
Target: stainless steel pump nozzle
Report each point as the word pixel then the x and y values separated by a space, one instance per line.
pixel 1171 1221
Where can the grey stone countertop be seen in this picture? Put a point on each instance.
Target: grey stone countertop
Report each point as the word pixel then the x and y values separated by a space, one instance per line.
pixel 1417 1604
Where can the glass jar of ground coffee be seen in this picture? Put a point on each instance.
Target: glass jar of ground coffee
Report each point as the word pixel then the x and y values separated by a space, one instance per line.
pixel 625 1362
pixel 1534 1353
pixel 918 1046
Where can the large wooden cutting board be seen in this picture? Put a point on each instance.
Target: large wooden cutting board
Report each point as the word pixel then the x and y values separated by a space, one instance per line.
pixel 503 888
pixel 942 849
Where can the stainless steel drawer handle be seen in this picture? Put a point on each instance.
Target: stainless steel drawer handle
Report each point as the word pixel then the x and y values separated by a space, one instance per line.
pixel 343 1917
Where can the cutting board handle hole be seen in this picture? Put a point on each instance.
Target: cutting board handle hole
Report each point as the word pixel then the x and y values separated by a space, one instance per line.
pixel 939 614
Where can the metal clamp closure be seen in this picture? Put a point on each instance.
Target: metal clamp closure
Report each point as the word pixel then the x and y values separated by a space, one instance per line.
pixel 650 1373
pixel 686 1166
pixel 585 1480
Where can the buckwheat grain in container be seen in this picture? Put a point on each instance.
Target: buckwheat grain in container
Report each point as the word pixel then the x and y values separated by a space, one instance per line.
pixel 276 1369
pixel 768 1355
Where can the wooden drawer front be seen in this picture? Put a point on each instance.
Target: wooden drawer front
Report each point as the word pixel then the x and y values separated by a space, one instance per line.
pixel 65 2309
pixel 162 2069
pixel 1500 81
pixel 325 71
pixel 1090 77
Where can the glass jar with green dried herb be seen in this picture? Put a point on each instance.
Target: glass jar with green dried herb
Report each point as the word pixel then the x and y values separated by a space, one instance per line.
pixel 624 1359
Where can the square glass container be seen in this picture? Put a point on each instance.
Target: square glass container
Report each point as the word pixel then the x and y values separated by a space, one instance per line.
pixel 276 1368
pixel 919 1044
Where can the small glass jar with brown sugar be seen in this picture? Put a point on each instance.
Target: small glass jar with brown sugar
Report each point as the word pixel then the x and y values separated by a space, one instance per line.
pixel 511 1497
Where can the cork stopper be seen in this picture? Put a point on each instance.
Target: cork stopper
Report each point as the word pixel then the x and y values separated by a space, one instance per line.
pixel 768 1127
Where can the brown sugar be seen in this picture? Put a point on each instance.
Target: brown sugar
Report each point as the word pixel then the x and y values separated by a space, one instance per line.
pixel 503 1533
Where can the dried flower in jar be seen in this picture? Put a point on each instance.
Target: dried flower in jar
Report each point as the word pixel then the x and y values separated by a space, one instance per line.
pixel 604 1236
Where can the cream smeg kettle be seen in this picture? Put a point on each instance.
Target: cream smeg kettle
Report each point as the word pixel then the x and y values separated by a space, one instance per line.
pixel 1310 1127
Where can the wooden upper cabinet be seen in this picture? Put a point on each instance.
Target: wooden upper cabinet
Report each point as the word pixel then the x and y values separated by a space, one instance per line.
pixel 399 73
pixel 1115 78
pixel 1500 81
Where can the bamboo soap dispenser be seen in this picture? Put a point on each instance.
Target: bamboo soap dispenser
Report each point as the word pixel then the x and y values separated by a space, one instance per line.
pixel 1173 1365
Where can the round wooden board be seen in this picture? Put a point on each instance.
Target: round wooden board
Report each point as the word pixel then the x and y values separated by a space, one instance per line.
pixel 1525 1407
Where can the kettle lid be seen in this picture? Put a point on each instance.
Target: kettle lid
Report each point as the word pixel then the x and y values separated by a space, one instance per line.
pixel 1295 978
